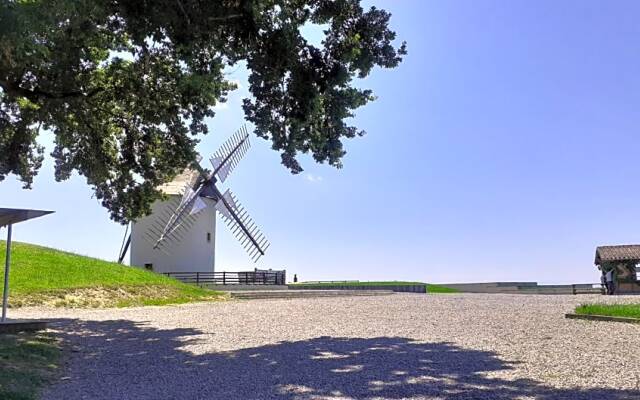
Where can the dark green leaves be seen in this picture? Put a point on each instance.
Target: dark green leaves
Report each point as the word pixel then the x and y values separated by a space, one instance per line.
pixel 126 86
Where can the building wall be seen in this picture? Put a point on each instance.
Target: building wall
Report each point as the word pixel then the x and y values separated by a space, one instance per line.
pixel 191 254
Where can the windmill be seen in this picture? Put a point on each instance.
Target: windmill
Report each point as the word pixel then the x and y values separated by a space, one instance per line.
pixel 171 225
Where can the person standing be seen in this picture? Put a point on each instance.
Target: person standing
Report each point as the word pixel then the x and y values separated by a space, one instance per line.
pixel 603 283
pixel 610 283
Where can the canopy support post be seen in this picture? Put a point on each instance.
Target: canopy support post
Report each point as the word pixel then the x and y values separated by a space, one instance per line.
pixel 7 262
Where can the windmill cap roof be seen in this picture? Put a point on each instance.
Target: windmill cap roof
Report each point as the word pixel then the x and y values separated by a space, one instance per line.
pixel 176 187
pixel 626 252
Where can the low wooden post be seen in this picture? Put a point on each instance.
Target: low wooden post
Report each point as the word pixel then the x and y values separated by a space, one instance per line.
pixel 224 278
pixel 7 263
pixel 198 278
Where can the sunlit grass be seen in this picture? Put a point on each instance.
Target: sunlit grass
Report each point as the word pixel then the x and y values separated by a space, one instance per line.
pixel 440 289
pixel 41 275
pixel 613 310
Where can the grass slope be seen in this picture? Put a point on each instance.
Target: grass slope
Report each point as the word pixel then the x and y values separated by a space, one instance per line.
pixel 430 287
pixel 28 361
pixel 41 275
pixel 614 310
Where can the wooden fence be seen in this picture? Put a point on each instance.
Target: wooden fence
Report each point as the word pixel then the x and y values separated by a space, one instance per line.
pixel 231 278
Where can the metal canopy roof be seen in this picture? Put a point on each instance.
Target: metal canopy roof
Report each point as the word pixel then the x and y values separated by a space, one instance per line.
pixel 10 216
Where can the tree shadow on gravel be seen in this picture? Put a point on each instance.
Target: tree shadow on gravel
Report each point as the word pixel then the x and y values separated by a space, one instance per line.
pixel 126 360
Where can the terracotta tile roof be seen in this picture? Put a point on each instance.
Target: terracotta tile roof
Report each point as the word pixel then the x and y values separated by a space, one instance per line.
pixel 627 252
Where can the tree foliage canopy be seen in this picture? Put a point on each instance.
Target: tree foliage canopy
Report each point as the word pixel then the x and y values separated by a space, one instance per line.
pixel 125 86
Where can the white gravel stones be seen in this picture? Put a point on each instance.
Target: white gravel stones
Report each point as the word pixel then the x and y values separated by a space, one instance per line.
pixel 405 346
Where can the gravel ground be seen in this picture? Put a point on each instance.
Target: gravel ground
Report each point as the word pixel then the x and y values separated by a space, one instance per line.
pixel 404 346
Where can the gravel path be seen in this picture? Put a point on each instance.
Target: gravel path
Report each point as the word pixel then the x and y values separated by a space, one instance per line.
pixel 404 346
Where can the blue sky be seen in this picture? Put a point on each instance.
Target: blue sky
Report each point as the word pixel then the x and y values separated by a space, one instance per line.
pixel 505 147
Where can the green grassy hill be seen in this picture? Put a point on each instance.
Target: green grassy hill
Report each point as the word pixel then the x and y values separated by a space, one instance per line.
pixel 45 276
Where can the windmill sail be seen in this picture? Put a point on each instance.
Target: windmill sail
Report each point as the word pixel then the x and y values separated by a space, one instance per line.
pixel 173 225
pixel 241 225
pixel 230 154
pixel 178 216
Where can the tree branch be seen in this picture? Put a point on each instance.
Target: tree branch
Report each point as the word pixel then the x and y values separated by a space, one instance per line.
pixel 226 18
pixel 15 90
pixel 184 12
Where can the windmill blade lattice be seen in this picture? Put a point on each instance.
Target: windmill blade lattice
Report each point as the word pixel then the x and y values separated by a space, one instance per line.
pixel 230 154
pixel 242 227
pixel 173 225
pixel 177 216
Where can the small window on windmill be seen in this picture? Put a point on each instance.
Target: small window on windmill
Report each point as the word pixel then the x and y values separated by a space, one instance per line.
pixel 208 237
pixel 148 267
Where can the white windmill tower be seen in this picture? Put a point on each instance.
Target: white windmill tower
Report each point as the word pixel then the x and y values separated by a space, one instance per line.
pixel 179 234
